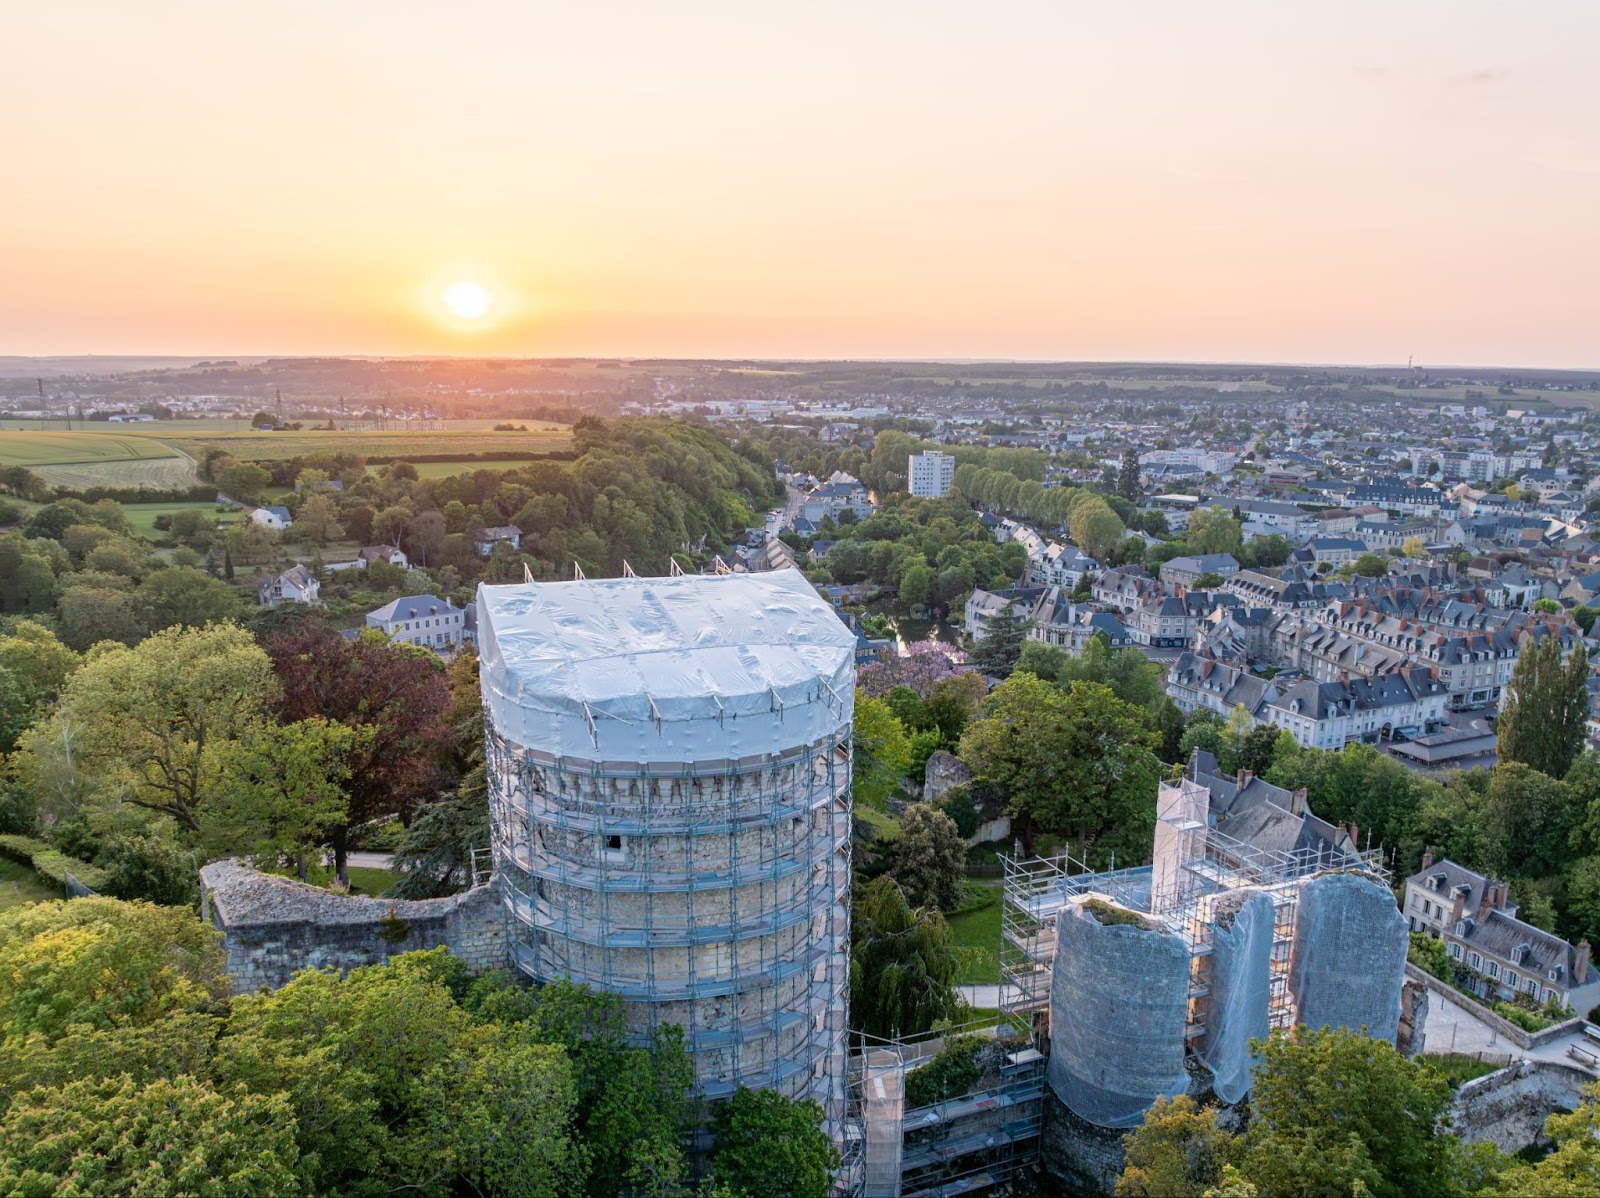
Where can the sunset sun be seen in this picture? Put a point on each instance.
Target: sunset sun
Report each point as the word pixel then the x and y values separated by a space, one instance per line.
pixel 467 300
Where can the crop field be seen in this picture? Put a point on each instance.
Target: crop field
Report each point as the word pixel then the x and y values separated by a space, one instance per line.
pixel 77 448
pixel 93 458
pixel 445 469
pixel 256 446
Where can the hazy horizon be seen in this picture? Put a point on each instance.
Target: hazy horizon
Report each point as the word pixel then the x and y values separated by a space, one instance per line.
pixel 1243 182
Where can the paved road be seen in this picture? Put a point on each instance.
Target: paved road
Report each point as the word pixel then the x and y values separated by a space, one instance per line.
pixel 371 860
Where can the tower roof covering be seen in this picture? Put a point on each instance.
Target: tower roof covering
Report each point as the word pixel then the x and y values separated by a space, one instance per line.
pixel 665 669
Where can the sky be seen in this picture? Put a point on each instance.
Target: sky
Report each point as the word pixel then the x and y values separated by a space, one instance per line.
pixel 1355 182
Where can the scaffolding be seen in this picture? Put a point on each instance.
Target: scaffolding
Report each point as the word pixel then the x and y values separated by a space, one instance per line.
pixel 1197 880
pixel 964 1144
pixel 669 764
pixel 714 896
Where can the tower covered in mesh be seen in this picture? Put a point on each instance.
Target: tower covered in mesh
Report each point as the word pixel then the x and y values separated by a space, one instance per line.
pixel 669 773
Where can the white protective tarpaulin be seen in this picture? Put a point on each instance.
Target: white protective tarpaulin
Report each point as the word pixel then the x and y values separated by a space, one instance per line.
pixel 665 669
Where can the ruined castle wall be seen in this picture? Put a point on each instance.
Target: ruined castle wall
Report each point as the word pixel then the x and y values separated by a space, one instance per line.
pixel 272 927
pixel 1119 997
pixel 1239 972
pixel 1348 962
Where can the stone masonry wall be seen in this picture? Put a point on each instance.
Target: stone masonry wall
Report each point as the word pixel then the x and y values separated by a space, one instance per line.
pixel 1509 1107
pixel 273 927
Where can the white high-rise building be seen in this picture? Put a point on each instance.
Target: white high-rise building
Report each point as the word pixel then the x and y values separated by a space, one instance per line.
pixel 930 474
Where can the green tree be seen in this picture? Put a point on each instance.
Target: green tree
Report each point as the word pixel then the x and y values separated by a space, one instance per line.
pixel 1528 822
pixel 1546 708
pixel 186 596
pixel 103 963
pixel 317 521
pixel 1316 1090
pixel 765 1144
pixel 1177 1152
pixel 1371 565
pixel 916 586
pixel 1128 484
pixel 281 789
pixel 119 1136
pixel 1076 763
pixel 1095 528
pixel 1000 645
pixel 244 481
pixel 37 661
pixel 882 751
pixel 1213 530
pixel 1547 607
pixel 902 964
pixel 928 858
pixel 151 723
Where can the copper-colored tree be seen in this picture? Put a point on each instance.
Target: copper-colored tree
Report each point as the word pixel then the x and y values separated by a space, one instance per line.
pixel 400 692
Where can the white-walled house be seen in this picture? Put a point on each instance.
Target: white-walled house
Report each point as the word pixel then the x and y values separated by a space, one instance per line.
pixel 275 518
pixel 294 585
pixel 421 620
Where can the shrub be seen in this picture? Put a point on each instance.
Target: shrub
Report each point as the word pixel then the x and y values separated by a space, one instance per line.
pixel 47 862
pixel 951 1072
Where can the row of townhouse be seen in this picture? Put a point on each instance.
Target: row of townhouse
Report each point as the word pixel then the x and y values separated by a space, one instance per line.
pixel 1050 563
pixel 1070 626
pixel 1503 956
pixel 1318 714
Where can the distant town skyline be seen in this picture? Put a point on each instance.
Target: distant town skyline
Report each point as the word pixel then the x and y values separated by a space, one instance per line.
pixel 1237 182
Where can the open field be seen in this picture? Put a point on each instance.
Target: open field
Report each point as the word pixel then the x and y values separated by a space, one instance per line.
pixel 252 445
pixel 142 516
pixel 445 469
pixel 161 456
pixel 96 458
pixel 33 449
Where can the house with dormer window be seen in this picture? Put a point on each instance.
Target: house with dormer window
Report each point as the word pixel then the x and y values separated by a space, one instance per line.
pixel 1504 956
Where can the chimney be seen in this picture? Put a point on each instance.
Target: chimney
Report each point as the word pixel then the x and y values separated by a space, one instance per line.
pixel 1427 857
pixel 1243 778
pixel 1580 968
pixel 1355 836
pixel 1486 900
pixel 1297 801
pixel 1457 904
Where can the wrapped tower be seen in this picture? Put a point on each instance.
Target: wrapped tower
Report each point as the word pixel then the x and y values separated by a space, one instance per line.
pixel 669 785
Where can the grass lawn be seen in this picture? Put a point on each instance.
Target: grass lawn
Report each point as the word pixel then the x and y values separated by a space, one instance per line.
pixel 19 885
pixel 142 516
pixel 374 883
pixel 1458 1067
pixel 976 933
pixel 364 882
pixel 883 825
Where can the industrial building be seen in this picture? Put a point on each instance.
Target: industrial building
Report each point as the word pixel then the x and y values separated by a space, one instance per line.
pixel 669 789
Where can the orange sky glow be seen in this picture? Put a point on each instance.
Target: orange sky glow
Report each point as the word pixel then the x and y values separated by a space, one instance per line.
pixel 1353 182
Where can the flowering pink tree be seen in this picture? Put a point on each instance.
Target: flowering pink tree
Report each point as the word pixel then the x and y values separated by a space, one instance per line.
pixel 924 664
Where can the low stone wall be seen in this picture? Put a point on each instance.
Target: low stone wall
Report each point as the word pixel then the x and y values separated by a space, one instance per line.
pixel 1500 1024
pixel 273 927
pixel 1508 1107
